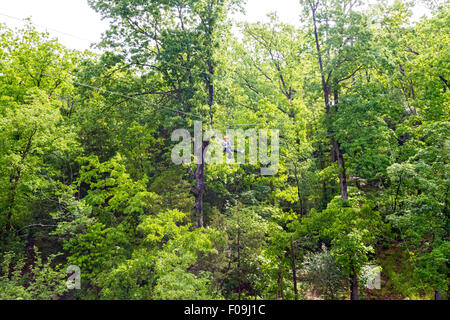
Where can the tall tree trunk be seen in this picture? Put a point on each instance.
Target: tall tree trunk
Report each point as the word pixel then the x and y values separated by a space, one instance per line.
pixel 294 274
pixel 210 85
pixel 336 152
pixel 342 174
pixel 354 287
pixel 199 187
pixel 336 146
pixel 200 171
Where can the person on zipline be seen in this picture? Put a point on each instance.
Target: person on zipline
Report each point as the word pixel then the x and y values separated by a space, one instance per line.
pixel 228 149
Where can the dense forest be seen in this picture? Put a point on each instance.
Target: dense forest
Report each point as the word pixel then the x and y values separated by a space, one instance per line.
pixel 359 97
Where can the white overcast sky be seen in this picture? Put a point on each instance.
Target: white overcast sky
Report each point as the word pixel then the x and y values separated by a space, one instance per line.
pixel 75 24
